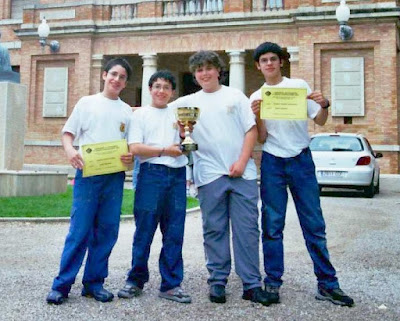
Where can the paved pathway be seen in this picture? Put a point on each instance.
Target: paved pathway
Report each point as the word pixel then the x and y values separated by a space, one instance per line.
pixel 363 238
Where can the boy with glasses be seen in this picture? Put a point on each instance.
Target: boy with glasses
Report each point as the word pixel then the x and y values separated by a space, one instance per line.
pixel 160 192
pixel 97 200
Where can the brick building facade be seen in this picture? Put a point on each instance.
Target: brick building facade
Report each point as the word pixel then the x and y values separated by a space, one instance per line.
pixel 159 34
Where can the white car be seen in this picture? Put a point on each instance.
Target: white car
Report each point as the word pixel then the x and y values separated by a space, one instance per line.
pixel 346 161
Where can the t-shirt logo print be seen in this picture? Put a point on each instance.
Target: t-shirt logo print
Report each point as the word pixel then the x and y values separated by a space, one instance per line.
pixel 230 109
pixel 122 127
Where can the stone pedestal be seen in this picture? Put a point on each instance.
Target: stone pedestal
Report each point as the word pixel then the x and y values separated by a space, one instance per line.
pixel 27 183
pixel 13 103
pixel 13 180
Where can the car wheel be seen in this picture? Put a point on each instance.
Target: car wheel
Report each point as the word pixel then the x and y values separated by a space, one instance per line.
pixel 369 191
pixel 377 187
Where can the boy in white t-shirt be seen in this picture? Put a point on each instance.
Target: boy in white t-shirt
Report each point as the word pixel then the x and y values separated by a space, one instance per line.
pixel 97 200
pixel 225 175
pixel 287 162
pixel 160 197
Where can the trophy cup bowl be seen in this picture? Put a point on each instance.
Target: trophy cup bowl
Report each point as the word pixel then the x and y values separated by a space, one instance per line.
pixel 186 115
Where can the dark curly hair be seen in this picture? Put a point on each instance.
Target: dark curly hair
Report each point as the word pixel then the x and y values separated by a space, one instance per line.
pixel 163 74
pixel 207 57
pixel 269 47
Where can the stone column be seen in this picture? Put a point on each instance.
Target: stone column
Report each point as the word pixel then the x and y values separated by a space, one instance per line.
pixel 294 61
pixel 97 60
pixel 236 69
pixel 149 68
pixel 5 9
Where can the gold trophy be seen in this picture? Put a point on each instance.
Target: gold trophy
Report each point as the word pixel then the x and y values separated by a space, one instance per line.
pixel 186 115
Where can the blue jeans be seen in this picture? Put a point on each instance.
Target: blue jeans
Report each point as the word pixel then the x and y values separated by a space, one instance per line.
pixel 95 215
pixel 297 173
pixel 160 199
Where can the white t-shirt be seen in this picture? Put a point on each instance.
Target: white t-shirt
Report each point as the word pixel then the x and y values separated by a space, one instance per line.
pixel 98 119
pixel 287 138
pixel 225 118
pixel 156 127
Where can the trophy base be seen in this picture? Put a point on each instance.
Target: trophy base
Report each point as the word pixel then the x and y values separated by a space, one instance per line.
pixel 189 147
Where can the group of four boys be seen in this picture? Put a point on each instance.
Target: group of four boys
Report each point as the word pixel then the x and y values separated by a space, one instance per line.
pixel 224 173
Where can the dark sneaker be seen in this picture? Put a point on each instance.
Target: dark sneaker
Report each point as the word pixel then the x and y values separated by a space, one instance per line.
pixel 129 291
pixel 101 295
pixel 273 293
pixel 176 294
pixel 217 293
pixel 56 297
pixel 257 295
pixel 336 296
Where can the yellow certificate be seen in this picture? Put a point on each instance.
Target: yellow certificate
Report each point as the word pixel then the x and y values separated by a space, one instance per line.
pixel 284 103
pixel 104 158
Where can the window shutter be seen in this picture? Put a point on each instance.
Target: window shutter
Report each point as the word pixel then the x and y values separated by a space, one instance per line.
pixel 347 86
pixel 55 92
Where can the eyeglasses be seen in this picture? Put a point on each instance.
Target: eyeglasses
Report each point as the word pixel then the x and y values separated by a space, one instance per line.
pixel 163 87
pixel 115 74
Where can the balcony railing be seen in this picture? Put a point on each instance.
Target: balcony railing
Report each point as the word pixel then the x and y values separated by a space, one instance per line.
pixel 123 12
pixel 176 8
pixel 265 5
pixel 192 7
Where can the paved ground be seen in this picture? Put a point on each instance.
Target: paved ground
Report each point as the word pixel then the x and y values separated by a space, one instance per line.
pixel 363 238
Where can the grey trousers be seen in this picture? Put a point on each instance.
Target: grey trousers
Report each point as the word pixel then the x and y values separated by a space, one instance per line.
pixel 224 202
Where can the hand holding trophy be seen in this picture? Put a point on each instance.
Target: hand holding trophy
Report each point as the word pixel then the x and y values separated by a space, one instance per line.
pixel 187 115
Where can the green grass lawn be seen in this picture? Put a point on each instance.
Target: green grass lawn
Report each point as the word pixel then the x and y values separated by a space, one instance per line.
pixel 58 205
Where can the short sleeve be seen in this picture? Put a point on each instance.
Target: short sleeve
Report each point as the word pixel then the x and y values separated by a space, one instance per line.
pixel 73 124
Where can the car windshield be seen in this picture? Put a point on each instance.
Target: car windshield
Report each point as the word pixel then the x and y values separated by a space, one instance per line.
pixel 336 143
